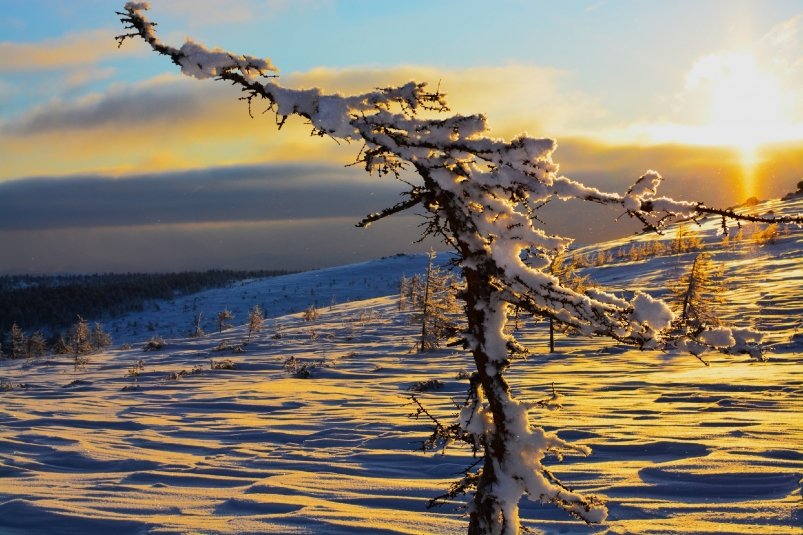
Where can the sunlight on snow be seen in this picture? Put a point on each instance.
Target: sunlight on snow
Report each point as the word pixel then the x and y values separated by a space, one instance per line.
pixel 677 447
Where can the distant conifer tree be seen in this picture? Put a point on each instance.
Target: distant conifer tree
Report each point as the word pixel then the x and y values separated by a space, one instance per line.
pixel 697 294
pixel 435 304
pixel 36 344
pixel 99 338
pixel 255 321
pixel 223 318
pixel 80 342
pixel 17 342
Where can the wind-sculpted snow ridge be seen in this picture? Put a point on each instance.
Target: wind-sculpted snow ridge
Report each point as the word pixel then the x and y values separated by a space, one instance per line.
pixel 676 447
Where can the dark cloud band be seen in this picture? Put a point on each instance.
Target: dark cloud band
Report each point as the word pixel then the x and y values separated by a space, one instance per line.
pixel 230 194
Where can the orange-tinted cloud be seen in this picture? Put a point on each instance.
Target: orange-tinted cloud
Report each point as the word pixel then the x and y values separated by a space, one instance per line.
pixel 71 50
pixel 170 122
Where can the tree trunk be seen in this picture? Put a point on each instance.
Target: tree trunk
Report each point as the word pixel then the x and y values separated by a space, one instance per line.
pixel 486 513
pixel 551 334
pixel 425 310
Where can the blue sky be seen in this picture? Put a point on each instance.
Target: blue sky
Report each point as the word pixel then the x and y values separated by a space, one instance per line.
pixel 707 92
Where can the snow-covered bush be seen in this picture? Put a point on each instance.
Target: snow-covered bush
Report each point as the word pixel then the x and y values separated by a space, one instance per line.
pixel 480 193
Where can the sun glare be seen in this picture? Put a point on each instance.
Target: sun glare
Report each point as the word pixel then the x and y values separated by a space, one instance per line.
pixel 746 102
pixel 746 107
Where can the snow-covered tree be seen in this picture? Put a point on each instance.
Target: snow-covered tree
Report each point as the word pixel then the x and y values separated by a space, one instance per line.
pixel 36 344
pixel 255 321
pixel 17 342
pixel 80 342
pixel 404 291
pixel 99 338
pixel 479 193
pixel 434 305
pixel 698 293
pixel 223 319
pixel 566 272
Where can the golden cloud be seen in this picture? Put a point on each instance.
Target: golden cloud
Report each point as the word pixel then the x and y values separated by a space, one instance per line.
pixel 84 48
pixel 169 122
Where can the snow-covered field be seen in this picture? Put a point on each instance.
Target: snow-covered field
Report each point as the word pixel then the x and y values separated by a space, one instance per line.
pixel 182 448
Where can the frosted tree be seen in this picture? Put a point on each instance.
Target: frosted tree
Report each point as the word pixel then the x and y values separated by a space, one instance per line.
pixel 255 321
pixel 197 329
pixel 17 342
pixel 479 193
pixel 434 307
pixel 404 289
pixel 566 273
pixel 99 338
pixel 36 345
pixel 223 319
pixel 80 342
pixel 698 293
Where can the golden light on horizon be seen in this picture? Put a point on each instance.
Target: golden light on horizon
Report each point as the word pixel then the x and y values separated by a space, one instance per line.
pixel 746 108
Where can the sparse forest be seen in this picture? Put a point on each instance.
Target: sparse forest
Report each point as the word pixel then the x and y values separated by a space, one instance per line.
pixel 50 303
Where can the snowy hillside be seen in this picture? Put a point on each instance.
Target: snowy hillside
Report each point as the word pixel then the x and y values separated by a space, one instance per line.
pixel 166 441
pixel 276 296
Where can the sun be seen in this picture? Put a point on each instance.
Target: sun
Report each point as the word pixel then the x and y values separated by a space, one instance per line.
pixel 742 103
pixel 745 102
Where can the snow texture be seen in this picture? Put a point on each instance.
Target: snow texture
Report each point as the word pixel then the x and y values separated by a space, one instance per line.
pixel 676 447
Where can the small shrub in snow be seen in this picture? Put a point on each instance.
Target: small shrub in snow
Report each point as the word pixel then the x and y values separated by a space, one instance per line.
pixel 6 385
pixel 175 376
pixel 155 344
pixel 136 369
pixel 311 313
pixel 767 236
pixel 227 346
pixel 133 373
pixel 426 386
pixel 225 364
pixel 303 370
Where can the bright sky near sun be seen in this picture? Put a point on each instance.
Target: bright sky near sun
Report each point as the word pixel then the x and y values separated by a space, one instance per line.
pixel 709 91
